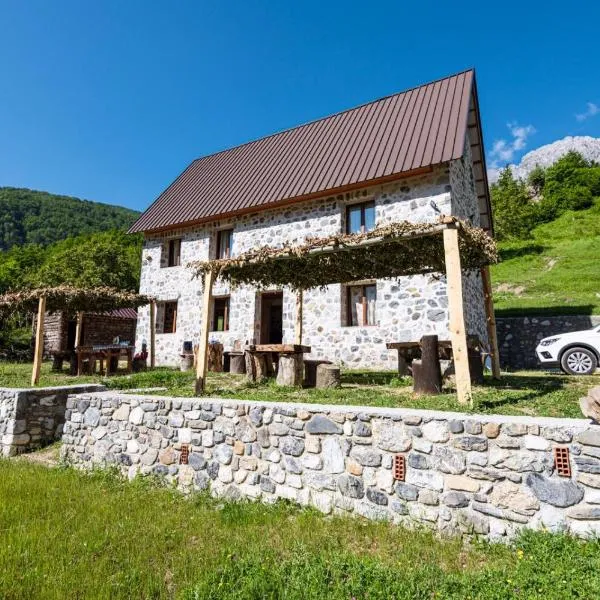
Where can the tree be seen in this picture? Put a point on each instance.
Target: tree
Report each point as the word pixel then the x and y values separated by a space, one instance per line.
pixel 514 213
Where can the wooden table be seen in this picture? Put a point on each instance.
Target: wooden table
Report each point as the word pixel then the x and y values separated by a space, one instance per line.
pixel 290 367
pixel 409 351
pixel 103 352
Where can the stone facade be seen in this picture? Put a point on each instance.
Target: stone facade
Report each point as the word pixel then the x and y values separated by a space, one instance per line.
pixel 32 418
pixel 519 336
pixel 490 475
pixel 406 308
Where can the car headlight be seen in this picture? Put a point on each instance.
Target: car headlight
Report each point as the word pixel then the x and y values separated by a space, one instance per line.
pixel 549 341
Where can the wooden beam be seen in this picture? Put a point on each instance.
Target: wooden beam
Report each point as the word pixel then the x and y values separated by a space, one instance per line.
pixel 491 321
pixel 152 334
pixel 201 363
pixel 299 315
pixel 458 333
pixel 39 341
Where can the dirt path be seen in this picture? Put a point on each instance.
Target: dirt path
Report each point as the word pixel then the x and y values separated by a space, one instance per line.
pixel 49 457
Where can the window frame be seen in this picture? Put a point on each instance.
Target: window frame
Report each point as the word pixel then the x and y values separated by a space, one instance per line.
pixel 363 206
pixel 173 257
pixel 365 304
pixel 229 248
pixel 226 313
pixel 173 328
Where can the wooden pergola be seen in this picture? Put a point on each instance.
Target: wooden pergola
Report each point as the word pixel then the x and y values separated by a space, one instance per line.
pixel 73 301
pixel 448 246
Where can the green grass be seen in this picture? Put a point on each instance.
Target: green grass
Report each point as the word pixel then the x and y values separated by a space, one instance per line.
pixel 66 534
pixel 523 393
pixel 556 272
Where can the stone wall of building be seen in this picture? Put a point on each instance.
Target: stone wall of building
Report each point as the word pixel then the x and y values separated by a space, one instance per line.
pixel 32 418
pixel 464 473
pixel 406 308
pixel 519 336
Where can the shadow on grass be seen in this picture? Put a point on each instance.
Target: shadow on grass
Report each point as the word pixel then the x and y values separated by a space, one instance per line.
pixel 533 387
pixel 521 250
pixel 369 377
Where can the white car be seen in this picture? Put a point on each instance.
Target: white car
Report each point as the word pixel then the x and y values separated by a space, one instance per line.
pixel 576 353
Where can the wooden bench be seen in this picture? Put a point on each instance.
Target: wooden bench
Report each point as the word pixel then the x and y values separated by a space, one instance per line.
pixel 290 368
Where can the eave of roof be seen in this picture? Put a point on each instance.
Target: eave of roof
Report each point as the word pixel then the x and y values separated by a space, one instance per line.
pixel 397 136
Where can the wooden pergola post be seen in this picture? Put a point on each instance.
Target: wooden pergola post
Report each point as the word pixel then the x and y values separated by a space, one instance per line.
pixel 201 362
pixel 298 324
pixel 458 334
pixel 152 334
pixel 39 341
pixel 491 321
pixel 78 327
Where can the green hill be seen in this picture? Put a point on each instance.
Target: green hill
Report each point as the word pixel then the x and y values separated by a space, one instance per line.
pixel 32 217
pixel 556 271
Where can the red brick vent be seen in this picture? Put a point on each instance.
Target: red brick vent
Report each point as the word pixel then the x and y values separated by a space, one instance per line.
pixel 562 462
pixel 399 467
pixel 185 453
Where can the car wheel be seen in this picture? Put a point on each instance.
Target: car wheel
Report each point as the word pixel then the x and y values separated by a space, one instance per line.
pixel 579 361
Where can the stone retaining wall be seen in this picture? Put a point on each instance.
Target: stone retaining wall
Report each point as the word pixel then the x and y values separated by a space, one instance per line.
pixel 519 336
pixel 32 418
pixel 464 473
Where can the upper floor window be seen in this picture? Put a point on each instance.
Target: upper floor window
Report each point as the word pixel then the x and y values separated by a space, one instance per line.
pixel 360 217
pixel 174 253
pixel 224 243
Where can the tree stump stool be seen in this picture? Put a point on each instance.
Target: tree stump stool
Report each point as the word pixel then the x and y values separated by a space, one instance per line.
pixel 237 363
pixel 475 366
pixel 215 357
pixel 310 371
pixel 256 366
pixel 328 376
pixel 290 371
pixel 427 374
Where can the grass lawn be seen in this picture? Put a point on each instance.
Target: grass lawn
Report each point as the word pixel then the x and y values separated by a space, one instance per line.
pixel 66 534
pixel 555 272
pixel 522 393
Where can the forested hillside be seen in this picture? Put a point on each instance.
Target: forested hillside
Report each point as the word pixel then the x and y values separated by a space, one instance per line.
pixel 548 227
pixel 32 217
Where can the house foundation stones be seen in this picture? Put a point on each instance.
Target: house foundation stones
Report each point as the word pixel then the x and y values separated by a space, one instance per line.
pixel 489 475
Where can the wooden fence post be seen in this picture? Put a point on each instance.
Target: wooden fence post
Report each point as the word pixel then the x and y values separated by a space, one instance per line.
pixel 152 334
pixel 201 363
pixel 491 321
pixel 458 333
pixel 39 341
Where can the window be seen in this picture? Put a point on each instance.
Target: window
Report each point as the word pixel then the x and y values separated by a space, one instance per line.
pixel 221 314
pixel 224 243
pixel 360 217
pixel 360 305
pixel 174 253
pixel 169 317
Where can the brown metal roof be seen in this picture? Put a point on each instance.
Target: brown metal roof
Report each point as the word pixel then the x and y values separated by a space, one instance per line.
pixel 385 139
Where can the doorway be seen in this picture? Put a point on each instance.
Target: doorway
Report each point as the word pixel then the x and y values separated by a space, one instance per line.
pixel 271 321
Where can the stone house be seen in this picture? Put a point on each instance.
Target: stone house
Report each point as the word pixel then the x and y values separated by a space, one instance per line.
pixel 412 156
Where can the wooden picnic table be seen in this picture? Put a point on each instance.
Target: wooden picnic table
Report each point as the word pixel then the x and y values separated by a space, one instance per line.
pixel 409 351
pixel 290 367
pixel 103 352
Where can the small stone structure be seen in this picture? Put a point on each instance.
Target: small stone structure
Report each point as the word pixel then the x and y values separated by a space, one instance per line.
pixel 98 328
pixel 32 418
pixel 491 474
pixel 519 336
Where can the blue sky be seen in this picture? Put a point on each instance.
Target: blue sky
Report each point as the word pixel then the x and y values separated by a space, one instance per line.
pixel 110 100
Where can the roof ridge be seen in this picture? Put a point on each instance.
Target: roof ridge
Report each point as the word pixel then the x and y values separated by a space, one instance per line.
pixel 335 114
